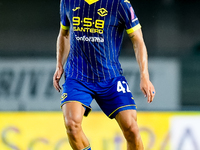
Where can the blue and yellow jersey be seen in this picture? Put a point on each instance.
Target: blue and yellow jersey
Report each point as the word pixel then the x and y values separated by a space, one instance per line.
pixel 96 32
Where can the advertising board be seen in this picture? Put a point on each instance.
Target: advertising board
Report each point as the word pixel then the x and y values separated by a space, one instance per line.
pixel 45 130
pixel 26 84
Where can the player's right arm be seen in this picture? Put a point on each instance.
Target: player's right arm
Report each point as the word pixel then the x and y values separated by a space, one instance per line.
pixel 63 45
pixel 62 52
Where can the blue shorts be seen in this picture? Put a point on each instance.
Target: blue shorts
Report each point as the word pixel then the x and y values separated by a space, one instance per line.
pixel 112 95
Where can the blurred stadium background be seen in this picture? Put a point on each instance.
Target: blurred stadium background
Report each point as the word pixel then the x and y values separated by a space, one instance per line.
pixel 30 116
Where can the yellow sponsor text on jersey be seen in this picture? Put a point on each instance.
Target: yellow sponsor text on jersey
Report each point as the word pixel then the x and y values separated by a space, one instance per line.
pixel 87 22
pixel 91 30
pixel 102 12
pixel 88 25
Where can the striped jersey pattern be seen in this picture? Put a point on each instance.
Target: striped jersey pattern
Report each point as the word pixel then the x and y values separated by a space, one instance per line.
pixel 96 31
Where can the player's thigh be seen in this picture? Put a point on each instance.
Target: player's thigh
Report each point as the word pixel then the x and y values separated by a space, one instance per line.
pixel 73 113
pixel 127 119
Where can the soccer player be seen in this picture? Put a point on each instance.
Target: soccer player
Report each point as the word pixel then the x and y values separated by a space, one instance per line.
pixel 89 40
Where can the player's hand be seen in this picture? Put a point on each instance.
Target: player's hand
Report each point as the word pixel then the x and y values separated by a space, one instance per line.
pixel 56 78
pixel 148 89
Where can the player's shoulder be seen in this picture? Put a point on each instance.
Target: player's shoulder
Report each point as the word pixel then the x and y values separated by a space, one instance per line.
pixel 124 4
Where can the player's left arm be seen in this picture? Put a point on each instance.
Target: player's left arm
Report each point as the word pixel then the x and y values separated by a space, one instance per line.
pixel 142 58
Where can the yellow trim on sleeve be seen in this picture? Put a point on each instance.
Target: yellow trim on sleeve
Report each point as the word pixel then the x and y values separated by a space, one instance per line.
pixel 133 29
pixel 64 27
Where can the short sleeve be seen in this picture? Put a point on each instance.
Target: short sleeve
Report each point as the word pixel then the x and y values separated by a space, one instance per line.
pixel 128 16
pixel 65 24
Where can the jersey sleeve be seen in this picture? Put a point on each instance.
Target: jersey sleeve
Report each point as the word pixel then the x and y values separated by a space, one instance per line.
pixel 128 16
pixel 65 24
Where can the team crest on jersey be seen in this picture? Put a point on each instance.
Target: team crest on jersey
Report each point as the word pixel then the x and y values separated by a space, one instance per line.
pixel 64 95
pixel 102 12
